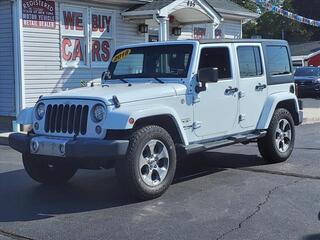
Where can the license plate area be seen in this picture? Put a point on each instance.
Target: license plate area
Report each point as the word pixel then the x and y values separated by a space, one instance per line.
pixel 48 146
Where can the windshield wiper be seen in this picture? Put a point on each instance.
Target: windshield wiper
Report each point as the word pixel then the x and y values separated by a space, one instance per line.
pixel 123 80
pixel 158 80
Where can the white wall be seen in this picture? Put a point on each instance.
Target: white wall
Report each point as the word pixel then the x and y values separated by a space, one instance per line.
pixel 7 97
pixel 231 29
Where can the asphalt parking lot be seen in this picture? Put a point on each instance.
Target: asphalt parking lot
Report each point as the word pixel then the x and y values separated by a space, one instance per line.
pixel 227 194
pixel 311 102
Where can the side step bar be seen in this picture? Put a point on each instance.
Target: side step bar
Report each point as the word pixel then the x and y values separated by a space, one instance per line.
pixel 202 147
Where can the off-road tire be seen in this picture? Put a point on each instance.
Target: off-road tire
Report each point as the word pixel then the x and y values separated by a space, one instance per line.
pixel 128 170
pixel 44 172
pixel 267 145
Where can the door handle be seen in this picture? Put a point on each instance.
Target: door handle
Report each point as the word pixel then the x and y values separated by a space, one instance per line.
pixel 260 87
pixel 231 90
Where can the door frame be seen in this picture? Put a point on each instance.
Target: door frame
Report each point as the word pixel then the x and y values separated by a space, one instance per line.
pixel 234 80
pixel 239 79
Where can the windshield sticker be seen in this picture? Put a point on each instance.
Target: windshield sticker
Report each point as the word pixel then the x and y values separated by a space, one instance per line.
pixel 121 55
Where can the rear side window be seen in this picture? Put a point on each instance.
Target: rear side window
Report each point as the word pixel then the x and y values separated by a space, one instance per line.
pixel 250 63
pixel 216 57
pixel 278 60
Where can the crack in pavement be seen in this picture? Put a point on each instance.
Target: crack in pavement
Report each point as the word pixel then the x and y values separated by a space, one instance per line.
pixel 307 148
pixel 257 210
pixel 13 235
pixel 296 175
pixel 296 148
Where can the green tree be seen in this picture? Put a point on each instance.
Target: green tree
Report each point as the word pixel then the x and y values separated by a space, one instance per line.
pixel 309 9
pixel 247 4
pixel 275 26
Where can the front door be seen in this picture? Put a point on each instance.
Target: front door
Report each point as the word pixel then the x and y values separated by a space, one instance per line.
pixel 216 109
pixel 252 84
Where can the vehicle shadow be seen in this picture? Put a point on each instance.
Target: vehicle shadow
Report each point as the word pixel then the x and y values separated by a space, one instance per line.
pixel 22 199
pixel 211 162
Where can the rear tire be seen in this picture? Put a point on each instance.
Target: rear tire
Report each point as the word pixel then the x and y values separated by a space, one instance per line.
pixel 44 172
pixel 150 163
pixel 278 144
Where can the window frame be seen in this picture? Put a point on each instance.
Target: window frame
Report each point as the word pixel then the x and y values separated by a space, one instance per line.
pixel 189 63
pixel 88 38
pixel 230 59
pixel 288 58
pixel 261 61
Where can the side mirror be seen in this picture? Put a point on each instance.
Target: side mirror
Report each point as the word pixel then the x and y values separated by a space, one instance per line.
pixel 103 77
pixel 207 75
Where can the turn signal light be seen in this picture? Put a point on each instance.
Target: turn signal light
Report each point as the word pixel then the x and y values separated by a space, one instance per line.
pixel 131 121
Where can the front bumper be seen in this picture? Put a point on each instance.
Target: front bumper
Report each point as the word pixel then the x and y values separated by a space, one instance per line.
pixel 309 89
pixel 81 150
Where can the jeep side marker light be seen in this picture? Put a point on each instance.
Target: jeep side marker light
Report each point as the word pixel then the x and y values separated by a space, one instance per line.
pixel 131 121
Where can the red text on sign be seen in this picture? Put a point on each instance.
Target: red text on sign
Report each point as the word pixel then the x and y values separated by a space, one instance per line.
pixel 71 50
pixel 73 20
pixel 97 48
pixel 68 55
pixel 101 23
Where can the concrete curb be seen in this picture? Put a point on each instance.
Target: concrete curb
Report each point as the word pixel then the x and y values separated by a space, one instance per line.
pixel 311 115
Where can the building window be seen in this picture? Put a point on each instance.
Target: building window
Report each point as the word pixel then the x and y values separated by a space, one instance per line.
pixel 249 61
pixel 218 57
pixel 86 41
pixel 278 60
pixel 199 32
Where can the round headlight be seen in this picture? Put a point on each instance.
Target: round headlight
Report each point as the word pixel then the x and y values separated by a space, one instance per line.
pixel 99 113
pixel 317 81
pixel 40 111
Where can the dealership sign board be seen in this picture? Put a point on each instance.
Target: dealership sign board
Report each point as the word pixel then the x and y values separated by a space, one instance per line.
pixel 77 35
pixel 39 14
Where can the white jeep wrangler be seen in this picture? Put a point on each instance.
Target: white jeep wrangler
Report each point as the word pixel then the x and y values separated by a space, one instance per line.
pixel 160 101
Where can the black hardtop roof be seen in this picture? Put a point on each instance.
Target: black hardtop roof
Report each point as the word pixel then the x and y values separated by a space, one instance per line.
pixel 267 41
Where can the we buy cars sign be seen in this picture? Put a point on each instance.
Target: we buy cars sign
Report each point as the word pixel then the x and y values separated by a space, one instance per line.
pixel 76 36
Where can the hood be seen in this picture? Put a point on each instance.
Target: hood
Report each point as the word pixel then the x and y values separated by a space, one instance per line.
pixel 305 78
pixel 124 92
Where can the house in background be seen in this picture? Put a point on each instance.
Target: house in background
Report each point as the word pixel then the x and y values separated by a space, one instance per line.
pixel 305 54
pixel 48 46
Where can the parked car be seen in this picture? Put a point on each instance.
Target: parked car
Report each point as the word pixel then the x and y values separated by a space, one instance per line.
pixel 159 102
pixel 307 80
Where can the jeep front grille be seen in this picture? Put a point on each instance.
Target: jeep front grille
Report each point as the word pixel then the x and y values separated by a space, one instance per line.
pixel 71 119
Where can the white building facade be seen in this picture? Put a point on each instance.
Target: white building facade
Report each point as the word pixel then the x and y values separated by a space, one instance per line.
pixel 48 46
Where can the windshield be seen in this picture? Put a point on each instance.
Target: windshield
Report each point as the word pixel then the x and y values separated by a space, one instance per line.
pixel 314 72
pixel 162 61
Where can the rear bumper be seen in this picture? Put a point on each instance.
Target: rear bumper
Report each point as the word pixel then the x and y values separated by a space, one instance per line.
pixel 95 151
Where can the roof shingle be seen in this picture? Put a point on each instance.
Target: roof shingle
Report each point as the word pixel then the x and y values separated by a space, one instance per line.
pixel 220 5
pixel 304 48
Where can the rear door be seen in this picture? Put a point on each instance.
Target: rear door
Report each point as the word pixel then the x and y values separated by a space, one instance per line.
pixel 252 83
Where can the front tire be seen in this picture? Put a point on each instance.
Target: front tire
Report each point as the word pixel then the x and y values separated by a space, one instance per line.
pixel 40 170
pixel 278 144
pixel 150 163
